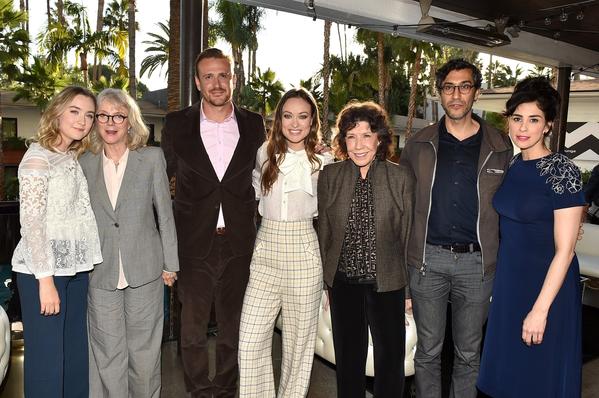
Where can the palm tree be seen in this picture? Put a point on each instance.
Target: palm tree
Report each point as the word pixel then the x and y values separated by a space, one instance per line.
pixel 172 91
pixel 422 51
pixel 97 68
pixel 14 41
pixel 132 26
pixel 233 28
pixel 326 72
pixel 267 91
pixel 253 17
pixel 116 25
pixel 382 70
pixel 39 82
pixel 159 46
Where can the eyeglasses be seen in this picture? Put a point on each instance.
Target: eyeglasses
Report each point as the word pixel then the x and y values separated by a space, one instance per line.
pixel 116 119
pixel 464 88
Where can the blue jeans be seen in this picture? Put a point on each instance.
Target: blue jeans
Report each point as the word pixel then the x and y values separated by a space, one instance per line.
pixel 456 278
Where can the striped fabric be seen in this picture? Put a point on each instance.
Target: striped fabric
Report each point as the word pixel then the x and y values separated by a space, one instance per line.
pixel 285 277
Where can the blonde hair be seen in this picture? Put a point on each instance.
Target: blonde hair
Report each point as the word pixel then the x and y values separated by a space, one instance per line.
pixel 138 134
pixel 48 133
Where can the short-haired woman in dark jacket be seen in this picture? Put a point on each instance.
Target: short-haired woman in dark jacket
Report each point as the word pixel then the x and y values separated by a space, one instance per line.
pixel 365 214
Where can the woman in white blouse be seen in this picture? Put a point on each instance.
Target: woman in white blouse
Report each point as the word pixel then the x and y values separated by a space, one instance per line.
pixel 128 185
pixel 59 244
pixel 286 271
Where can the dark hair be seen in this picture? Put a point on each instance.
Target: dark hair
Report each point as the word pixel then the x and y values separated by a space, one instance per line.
pixel 538 90
pixel 211 53
pixel 458 64
pixel 277 143
pixel 371 113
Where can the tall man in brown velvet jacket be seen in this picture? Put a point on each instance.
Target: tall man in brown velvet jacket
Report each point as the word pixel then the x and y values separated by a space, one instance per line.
pixel 210 148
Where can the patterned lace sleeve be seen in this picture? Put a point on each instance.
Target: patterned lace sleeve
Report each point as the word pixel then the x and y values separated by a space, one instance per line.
pixel 564 179
pixel 34 172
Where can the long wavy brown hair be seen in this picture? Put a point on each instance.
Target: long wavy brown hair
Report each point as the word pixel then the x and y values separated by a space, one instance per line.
pixel 277 144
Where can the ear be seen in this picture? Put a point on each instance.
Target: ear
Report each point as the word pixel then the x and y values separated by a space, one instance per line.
pixel 476 94
pixel 548 128
pixel 197 81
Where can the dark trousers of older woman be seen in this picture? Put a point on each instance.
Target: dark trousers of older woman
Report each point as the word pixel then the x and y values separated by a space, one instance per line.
pixel 355 308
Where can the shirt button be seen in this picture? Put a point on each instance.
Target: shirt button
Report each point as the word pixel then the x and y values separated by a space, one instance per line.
pixel 116 224
pixel 455 183
pixel 453 227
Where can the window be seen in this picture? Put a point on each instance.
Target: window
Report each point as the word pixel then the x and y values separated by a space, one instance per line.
pixel 9 127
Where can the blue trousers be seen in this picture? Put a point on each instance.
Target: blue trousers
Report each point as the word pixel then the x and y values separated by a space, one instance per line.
pixel 56 356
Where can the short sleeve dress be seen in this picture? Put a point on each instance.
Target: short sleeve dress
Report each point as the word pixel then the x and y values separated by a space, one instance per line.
pixel 529 194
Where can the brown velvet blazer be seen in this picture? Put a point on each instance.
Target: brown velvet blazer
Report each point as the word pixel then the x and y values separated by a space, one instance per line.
pixel 393 188
pixel 199 193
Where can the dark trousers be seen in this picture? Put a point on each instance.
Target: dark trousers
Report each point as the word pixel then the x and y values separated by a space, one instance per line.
pixel 56 356
pixel 355 308
pixel 222 279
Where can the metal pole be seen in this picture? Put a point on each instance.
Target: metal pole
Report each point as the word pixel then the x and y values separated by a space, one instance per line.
pixel 558 138
pixel 192 18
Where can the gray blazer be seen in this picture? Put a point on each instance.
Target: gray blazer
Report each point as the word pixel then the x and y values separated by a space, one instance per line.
pixel 148 245
pixel 393 188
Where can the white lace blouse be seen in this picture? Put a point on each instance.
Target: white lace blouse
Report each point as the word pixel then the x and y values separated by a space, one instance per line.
pixel 293 195
pixel 59 235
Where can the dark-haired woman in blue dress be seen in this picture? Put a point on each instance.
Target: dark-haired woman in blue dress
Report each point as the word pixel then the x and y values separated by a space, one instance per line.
pixel 533 343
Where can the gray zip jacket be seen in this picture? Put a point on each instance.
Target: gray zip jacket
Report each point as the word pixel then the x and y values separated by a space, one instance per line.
pixel 420 155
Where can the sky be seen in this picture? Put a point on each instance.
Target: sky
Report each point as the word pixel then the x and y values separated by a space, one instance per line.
pixel 290 45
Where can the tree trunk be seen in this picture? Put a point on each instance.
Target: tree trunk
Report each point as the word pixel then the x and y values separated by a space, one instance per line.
pixel 132 82
pixel 60 12
pixel 97 68
pixel 83 60
pixel 239 72
pixel 2 193
pixel 326 72
pixel 172 90
pixel 49 12
pixel 205 26
pixel 341 50
pixel 382 75
pixel 413 90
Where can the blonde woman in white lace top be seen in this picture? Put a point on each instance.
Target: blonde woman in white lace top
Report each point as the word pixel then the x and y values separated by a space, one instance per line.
pixel 59 243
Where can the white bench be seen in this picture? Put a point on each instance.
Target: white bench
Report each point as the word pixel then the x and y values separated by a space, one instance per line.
pixel 587 251
pixel 326 350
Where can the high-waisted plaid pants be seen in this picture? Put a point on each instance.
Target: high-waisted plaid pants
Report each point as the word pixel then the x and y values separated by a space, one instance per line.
pixel 285 277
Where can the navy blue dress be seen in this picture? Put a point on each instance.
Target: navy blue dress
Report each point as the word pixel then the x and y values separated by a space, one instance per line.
pixel 529 194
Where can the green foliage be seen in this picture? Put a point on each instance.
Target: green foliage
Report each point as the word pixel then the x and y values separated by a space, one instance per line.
pixel 502 75
pixel 11 188
pixel 263 93
pixel 158 51
pixel 585 176
pixel 496 120
pixel 14 41
pixel 39 82
pixel 14 143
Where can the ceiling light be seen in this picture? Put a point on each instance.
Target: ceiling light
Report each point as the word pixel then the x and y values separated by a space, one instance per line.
pixel 563 16
pixel 309 4
pixel 580 15
pixel 465 33
pixel 548 21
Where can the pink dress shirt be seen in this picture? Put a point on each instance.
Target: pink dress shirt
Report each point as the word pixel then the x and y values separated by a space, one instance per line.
pixel 220 140
pixel 113 177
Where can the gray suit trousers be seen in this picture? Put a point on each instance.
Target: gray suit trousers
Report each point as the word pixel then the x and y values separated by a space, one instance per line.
pixel 125 336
